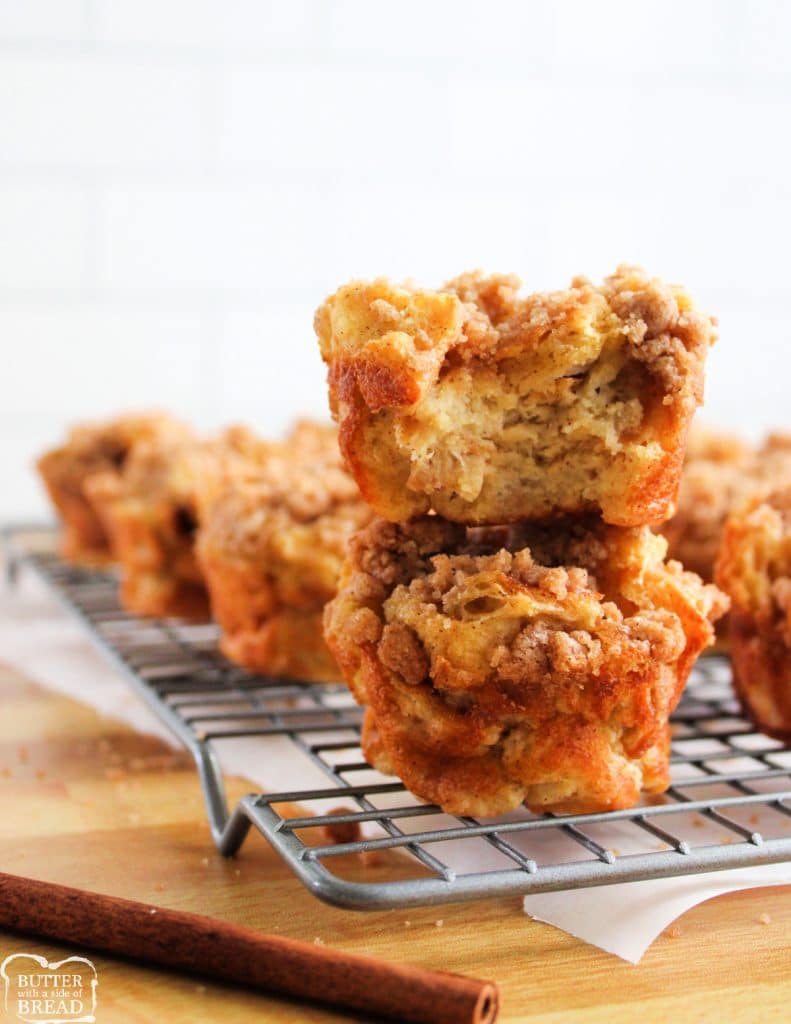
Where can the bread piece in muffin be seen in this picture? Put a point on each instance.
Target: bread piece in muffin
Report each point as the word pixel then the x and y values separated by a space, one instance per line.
pixel 272 539
pixel 150 513
pixel 720 474
pixel 90 449
pixel 489 407
pixel 538 664
pixel 754 569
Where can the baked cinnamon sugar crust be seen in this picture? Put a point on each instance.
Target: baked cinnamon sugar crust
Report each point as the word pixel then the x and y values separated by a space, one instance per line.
pixel 531 664
pixel 273 535
pixel 490 407
pixel 91 449
pixel 754 568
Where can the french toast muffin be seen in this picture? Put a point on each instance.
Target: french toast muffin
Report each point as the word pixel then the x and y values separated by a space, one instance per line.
pixel 754 569
pixel 721 473
pixel 150 513
pixel 271 542
pixel 488 407
pixel 534 664
pixel 91 449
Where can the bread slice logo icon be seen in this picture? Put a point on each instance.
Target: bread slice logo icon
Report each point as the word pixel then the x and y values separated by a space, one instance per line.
pixel 40 992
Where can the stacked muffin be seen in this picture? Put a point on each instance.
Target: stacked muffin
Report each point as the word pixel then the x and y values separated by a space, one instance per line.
pixel 508 618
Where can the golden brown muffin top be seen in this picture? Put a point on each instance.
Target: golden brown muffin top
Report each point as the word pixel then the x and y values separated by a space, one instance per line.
pixel 532 604
pixel 296 481
pixel 394 341
pixel 290 512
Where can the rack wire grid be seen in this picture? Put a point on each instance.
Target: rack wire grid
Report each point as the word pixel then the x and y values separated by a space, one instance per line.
pixel 728 805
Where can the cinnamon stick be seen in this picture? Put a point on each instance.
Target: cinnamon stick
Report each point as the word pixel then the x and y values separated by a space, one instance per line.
pixel 217 949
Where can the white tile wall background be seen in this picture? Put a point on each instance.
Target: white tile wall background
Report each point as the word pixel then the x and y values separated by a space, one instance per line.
pixel 181 182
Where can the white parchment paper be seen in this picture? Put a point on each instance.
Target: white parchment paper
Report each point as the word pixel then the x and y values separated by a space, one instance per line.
pixel 44 643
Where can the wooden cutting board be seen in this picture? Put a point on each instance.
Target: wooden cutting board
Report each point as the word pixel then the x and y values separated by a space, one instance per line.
pixel 86 802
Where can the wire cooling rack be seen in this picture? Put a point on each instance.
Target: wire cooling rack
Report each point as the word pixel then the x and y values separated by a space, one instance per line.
pixel 729 804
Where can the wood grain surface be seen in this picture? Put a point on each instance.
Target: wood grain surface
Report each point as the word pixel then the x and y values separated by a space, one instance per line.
pixel 86 802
